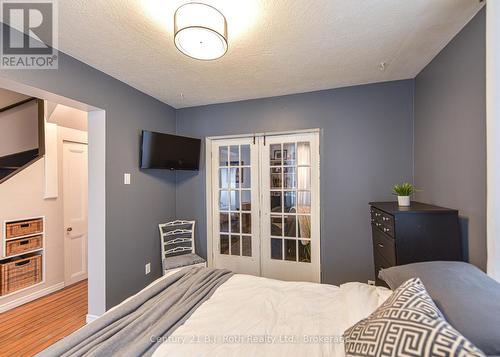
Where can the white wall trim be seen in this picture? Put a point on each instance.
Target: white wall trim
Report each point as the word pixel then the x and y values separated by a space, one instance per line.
pixel 96 242
pixel 208 200
pixel 89 318
pixel 51 161
pixel 33 296
pixel 493 136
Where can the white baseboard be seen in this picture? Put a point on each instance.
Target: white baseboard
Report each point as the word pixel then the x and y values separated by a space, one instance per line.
pixel 33 296
pixel 90 318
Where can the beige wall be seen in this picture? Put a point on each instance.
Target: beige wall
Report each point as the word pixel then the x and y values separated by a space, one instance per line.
pixel 8 97
pixel 68 117
pixel 19 129
pixel 23 196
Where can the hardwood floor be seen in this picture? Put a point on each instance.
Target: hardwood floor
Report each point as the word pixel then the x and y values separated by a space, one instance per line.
pixel 30 328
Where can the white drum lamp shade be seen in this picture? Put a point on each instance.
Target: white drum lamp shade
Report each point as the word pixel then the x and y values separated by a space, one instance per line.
pixel 200 31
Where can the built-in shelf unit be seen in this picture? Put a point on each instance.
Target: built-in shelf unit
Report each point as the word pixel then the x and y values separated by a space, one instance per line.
pixel 22 259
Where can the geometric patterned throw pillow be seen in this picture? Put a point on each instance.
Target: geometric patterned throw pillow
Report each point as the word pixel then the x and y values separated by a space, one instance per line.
pixel 409 324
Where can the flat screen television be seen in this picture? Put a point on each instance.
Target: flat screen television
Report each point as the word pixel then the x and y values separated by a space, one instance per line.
pixel 172 152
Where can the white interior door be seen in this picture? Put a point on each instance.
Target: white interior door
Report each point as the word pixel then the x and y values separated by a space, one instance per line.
pixel 75 181
pixel 266 209
pixel 290 218
pixel 235 210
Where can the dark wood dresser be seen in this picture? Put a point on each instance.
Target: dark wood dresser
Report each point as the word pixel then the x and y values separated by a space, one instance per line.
pixel 421 232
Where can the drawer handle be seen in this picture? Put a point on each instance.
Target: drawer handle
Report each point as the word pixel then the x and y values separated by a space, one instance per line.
pixel 24 225
pixel 24 242
pixel 377 214
pixel 386 229
pixel 385 219
pixel 380 245
pixel 22 263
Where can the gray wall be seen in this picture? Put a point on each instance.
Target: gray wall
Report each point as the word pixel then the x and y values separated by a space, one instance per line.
pixel 132 212
pixel 450 133
pixel 366 148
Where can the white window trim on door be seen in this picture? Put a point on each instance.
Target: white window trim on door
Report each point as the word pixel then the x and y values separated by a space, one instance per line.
pixel 209 186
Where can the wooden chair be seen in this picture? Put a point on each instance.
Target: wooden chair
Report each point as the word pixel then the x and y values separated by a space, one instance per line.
pixel 177 246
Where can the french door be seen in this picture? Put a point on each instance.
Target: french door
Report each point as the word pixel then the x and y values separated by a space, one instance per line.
pixel 235 182
pixel 265 206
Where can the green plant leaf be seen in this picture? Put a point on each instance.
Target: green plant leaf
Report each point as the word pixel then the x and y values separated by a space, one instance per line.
pixel 404 189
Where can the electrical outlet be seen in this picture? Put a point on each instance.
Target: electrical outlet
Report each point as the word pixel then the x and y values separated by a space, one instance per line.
pixel 371 282
pixel 148 268
pixel 126 179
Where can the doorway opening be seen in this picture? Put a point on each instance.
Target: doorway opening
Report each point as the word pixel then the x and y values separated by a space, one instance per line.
pixel 71 157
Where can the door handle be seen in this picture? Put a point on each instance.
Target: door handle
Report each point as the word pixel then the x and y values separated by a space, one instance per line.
pixel 69 229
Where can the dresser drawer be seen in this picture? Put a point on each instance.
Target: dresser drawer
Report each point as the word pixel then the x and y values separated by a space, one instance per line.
pixel 387 224
pixel 380 263
pixel 376 215
pixel 387 228
pixel 382 221
pixel 384 246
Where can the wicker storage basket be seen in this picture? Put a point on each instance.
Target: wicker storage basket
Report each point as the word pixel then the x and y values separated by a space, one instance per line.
pixel 22 228
pixel 21 273
pixel 22 245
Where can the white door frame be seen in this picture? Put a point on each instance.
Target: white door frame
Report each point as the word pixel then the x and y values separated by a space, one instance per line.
pixel 209 179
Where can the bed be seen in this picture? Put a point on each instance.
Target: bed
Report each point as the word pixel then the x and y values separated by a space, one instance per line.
pixel 248 315
pixel 199 311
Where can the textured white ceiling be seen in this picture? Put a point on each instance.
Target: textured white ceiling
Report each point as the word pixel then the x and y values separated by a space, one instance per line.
pixel 275 46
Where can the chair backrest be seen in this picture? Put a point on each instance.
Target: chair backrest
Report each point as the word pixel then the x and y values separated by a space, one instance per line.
pixel 176 238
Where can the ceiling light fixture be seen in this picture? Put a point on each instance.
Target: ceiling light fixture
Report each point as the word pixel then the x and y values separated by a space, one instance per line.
pixel 200 31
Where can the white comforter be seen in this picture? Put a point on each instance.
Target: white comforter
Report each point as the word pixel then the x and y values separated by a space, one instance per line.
pixel 253 316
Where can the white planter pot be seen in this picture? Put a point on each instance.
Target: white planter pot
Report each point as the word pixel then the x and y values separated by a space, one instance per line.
pixel 404 201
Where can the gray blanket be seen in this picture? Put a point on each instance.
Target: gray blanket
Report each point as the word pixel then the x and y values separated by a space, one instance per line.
pixel 136 327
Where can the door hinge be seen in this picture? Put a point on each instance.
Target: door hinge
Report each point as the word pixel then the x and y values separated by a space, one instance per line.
pixel 264 140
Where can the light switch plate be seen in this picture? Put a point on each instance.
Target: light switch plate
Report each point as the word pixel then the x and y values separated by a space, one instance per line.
pixel 148 268
pixel 126 179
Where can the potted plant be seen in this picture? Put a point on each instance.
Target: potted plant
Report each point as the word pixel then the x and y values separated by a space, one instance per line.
pixel 403 191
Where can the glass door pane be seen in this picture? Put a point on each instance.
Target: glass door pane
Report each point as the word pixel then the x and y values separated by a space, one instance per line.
pixel 290 197
pixel 235 167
